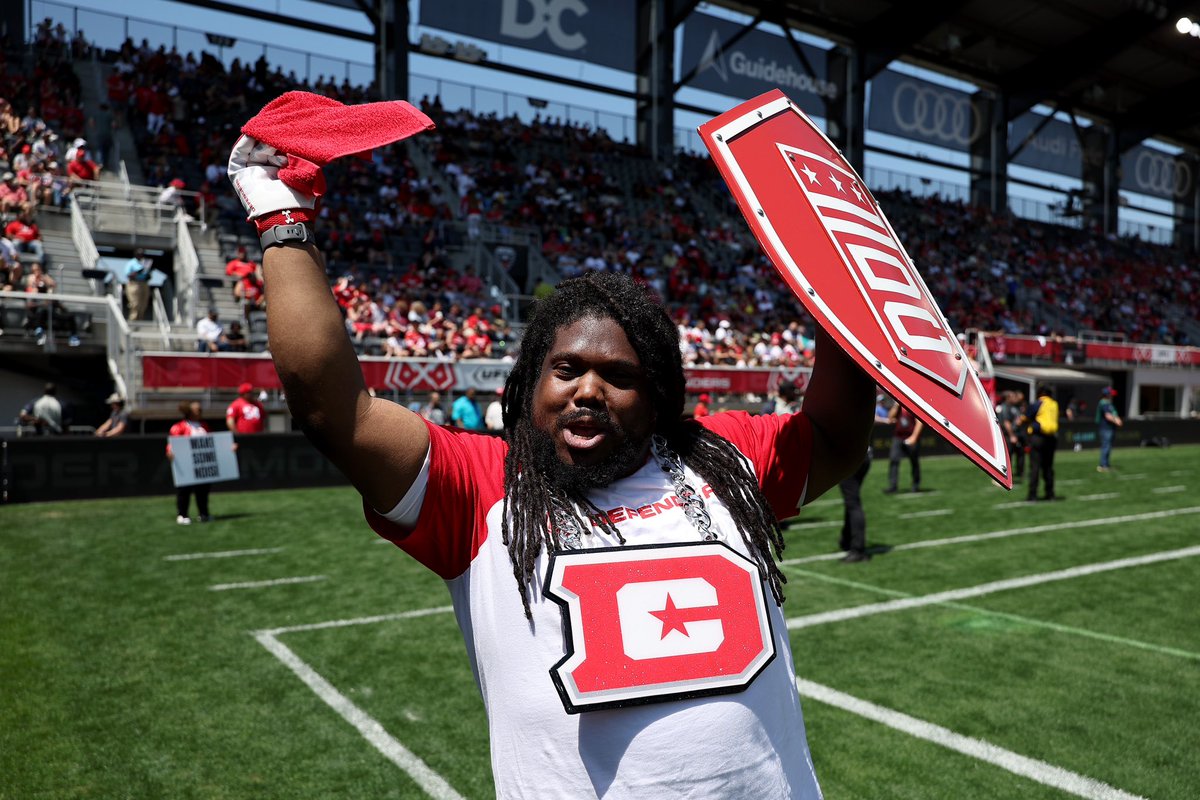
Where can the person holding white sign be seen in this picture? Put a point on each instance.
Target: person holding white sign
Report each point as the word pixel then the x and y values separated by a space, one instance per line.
pixel 190 425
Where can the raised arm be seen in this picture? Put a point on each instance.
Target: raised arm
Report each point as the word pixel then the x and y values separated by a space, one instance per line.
pixel 839 401
pixel 379 445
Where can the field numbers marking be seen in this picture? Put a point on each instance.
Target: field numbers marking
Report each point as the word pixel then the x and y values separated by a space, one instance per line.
pixel 262 551
pixel 221 587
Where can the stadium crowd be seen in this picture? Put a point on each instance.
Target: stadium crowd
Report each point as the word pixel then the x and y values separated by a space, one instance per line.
pixel 593 203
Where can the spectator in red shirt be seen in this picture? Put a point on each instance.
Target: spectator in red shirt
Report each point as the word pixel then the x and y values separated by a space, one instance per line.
pixel 82 168
pixel 701 409
pixel 24 235
pixel 240 266
pixel 13 197
pixel 245 414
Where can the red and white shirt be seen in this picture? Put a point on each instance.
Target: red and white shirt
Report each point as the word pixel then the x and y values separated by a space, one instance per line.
pixel 748 744
pixel 247 415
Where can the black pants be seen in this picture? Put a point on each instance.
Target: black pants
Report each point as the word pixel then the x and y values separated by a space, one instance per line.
pixel 913 454
pixel 1041 462
pixel 1016 454
pixel 183 497
pixel 854 521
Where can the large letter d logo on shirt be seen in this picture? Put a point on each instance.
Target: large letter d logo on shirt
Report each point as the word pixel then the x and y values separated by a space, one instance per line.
pixel 655 623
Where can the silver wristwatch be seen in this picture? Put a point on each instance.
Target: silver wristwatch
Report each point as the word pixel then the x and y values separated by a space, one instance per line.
pixel 296 233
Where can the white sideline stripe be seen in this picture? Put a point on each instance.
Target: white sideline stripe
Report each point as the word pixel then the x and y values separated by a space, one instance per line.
pixel 1013 504
pixel 1036 623
pixel 1101 496
pixel 1031 768
pixel 433 784
pixel 1169 489
pixel 937 512
pixel 343 623
pixel 220 587
pixel 262 551
pixel 981 537
pixel 1135 477
pixel 871 609
pixel 911 495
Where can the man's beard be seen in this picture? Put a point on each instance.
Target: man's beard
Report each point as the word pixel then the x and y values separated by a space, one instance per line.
pixel 576 479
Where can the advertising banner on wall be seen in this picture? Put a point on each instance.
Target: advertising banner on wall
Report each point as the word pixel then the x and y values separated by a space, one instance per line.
pixel 599 31
pixel 1147 170
pixel 427 374
pixel 1055 148
pixel 755 63
pixel 902 105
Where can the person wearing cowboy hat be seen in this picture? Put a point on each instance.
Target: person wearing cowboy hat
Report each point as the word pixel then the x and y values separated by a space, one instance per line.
pixel 118 419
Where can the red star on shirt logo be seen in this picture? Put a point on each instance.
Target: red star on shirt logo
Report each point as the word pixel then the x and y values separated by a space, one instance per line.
pixel 676 619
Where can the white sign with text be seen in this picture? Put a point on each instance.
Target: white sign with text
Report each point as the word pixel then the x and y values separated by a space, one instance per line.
pixel 208 458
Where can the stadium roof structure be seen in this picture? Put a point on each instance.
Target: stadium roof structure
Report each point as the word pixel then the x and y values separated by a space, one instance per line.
pixel 1121 62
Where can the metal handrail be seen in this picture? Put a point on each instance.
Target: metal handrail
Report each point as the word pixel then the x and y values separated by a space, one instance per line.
pixel 81 235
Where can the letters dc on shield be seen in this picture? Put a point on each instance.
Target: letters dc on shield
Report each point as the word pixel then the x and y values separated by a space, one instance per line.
pixel 838 253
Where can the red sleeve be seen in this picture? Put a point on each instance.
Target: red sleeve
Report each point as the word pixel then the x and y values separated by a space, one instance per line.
pixel 780 448
pixel 466 479
pixel 178 429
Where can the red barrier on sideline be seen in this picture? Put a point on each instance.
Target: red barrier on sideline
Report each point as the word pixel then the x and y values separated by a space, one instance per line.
pixel 226 371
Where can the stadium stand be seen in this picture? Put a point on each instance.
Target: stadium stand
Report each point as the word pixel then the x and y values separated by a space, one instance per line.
pixel 435 247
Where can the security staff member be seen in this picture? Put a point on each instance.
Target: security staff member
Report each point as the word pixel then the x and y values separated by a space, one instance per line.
pixel 1041 420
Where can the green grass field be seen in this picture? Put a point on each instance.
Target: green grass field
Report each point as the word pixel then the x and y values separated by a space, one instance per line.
pixel 928 672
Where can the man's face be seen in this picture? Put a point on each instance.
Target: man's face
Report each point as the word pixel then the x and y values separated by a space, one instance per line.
pixel 591 407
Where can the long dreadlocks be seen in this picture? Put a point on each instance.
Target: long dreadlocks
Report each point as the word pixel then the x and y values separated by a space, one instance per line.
pixel 539 509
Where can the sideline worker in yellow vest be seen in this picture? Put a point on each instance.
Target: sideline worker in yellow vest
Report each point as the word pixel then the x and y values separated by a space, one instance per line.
pixel 1041 419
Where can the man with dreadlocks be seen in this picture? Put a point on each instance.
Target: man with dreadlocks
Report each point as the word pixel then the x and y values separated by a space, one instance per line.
pixel 599 470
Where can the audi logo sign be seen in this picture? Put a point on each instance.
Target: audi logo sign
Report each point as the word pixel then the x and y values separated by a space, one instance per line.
pixel 902 105
pixel 1161 174
pixel 923 112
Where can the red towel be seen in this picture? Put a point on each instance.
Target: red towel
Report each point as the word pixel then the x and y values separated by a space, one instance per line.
pixel 314 130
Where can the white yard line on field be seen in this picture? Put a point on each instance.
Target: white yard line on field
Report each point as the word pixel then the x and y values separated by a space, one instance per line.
pixel 911 495
pixel 221 587
pixel 262 551
pixel 1169 489
pixel 871 609
pixel 829 523
pixel 982 537
pixel 1031 622
pixel 432 783
pixel 1013 504
pixel 936 512
pixel 1135 477
pixel 1070 482
pixel 343 623
pixel 1031 768
pixel 1101 496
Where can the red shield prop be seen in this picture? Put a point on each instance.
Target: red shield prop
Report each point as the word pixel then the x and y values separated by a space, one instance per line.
pixel 837 251
pixel 648 624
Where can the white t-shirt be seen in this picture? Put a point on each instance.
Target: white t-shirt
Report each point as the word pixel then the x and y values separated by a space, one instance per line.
pixel 750 744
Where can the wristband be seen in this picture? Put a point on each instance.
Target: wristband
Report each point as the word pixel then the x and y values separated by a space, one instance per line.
pixel 299 233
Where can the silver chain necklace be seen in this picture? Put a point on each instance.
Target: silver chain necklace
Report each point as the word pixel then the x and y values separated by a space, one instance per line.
pixel 694 509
